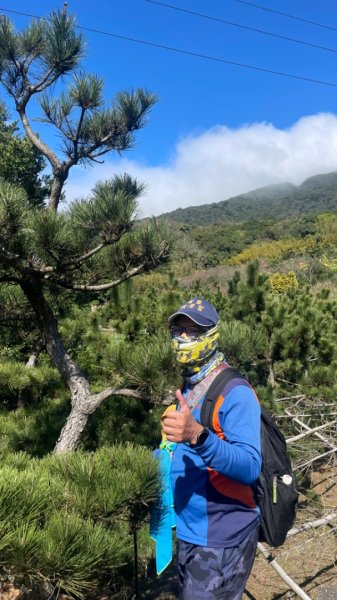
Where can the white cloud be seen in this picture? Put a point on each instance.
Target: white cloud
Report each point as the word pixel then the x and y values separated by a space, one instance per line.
pixel 223 162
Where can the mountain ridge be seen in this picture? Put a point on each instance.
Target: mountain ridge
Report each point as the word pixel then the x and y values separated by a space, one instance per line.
pixel 315 194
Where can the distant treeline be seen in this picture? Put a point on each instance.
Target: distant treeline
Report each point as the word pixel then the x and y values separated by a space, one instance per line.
pixel 315 195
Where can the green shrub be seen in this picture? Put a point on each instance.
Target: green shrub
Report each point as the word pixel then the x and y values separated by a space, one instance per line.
pixel 67 519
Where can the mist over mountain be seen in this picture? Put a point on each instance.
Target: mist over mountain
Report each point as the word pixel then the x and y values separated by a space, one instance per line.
pixel 315 195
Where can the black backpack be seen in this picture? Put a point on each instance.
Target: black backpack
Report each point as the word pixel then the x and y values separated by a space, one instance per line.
pixel 276 489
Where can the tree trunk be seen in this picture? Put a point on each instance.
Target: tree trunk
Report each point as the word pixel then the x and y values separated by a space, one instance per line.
pixel 81 400
pixel 56 190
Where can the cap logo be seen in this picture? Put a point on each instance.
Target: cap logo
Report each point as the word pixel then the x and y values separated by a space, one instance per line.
pixel 191 304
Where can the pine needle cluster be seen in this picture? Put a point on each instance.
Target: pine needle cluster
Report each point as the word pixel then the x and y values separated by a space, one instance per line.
pixel 68 519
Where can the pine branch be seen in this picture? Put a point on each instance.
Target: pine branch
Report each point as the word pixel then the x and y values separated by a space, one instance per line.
pixel 105 286
pixel 13 260
pixel 78 133
pixel 97 399
pixel 45 82
pixel 44 149
pixel 76 262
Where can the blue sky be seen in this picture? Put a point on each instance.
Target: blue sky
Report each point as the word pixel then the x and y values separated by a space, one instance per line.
pixel 217 129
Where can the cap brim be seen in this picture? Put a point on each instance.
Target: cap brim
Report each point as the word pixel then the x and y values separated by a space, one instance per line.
pixel 189 316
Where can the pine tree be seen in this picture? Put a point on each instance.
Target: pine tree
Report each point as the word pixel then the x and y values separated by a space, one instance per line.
pixel 93 245
pixel 66 520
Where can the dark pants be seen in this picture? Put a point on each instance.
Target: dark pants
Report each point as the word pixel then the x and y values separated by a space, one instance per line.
pixel 215 573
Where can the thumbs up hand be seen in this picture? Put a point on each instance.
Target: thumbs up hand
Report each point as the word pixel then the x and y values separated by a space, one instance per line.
pixel 180 426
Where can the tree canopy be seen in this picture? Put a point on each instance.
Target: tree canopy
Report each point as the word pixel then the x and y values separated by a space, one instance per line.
pixel 21 163
pixel 97 243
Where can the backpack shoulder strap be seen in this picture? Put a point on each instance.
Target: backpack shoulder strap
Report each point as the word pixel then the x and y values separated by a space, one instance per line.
pixel 213 393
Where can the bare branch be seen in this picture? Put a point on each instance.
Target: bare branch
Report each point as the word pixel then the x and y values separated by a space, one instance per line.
pixel 289 398
pixel 105 286
pixel 76 262
pixel 312 524
pixel 292 383
pixel 312 460
pixel 97 399
pixel 95 159
pixel 281 572
pixel 32 360
pixel 46 151
pixel 304 426
pixel 58 126
pixel 310 432
pixel 306 415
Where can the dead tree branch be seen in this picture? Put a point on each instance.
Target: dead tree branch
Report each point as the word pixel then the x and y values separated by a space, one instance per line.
pixel 312 460
pixel 312 524
pixel 281 572
pixel 317 435
pixel 310 432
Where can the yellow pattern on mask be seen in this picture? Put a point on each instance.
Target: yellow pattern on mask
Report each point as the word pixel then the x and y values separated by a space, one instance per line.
pixel 195 353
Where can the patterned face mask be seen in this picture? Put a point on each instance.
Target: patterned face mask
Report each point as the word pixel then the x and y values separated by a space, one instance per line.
pixel 193 353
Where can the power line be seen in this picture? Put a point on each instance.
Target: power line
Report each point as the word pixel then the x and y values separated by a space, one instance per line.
pixel 239 25
pixel 188 52
pixel 278 12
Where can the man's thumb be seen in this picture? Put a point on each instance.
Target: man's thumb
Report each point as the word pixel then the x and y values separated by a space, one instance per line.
pixel 182 402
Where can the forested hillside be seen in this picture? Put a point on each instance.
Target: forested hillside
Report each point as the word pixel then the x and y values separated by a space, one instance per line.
pixel 316 194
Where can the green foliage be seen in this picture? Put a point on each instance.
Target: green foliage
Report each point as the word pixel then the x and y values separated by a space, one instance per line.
pixel 20 162
pixel 34 429
pixel 111 210
pixel 315 195
pixel 21 385
pixel 50 236
pixel 14 210
pixel 147 366
pixel 54 242
pixel 295 333
pixel 68 519
pixel 241 343
pixel 53 42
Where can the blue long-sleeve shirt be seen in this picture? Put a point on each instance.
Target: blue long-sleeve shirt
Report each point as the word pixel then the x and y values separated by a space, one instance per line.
pixel 212 484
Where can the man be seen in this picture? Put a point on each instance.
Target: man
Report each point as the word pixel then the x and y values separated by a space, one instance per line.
pixel 212 475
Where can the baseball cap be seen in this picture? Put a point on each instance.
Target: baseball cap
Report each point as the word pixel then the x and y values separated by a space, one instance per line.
pixel 199 311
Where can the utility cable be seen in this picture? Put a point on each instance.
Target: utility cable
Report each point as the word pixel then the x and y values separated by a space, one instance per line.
pixel 233 24
pixel 189 52
pixel 278 12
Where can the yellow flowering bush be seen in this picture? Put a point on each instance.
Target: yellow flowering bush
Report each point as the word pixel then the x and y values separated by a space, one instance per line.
pixel 281 282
